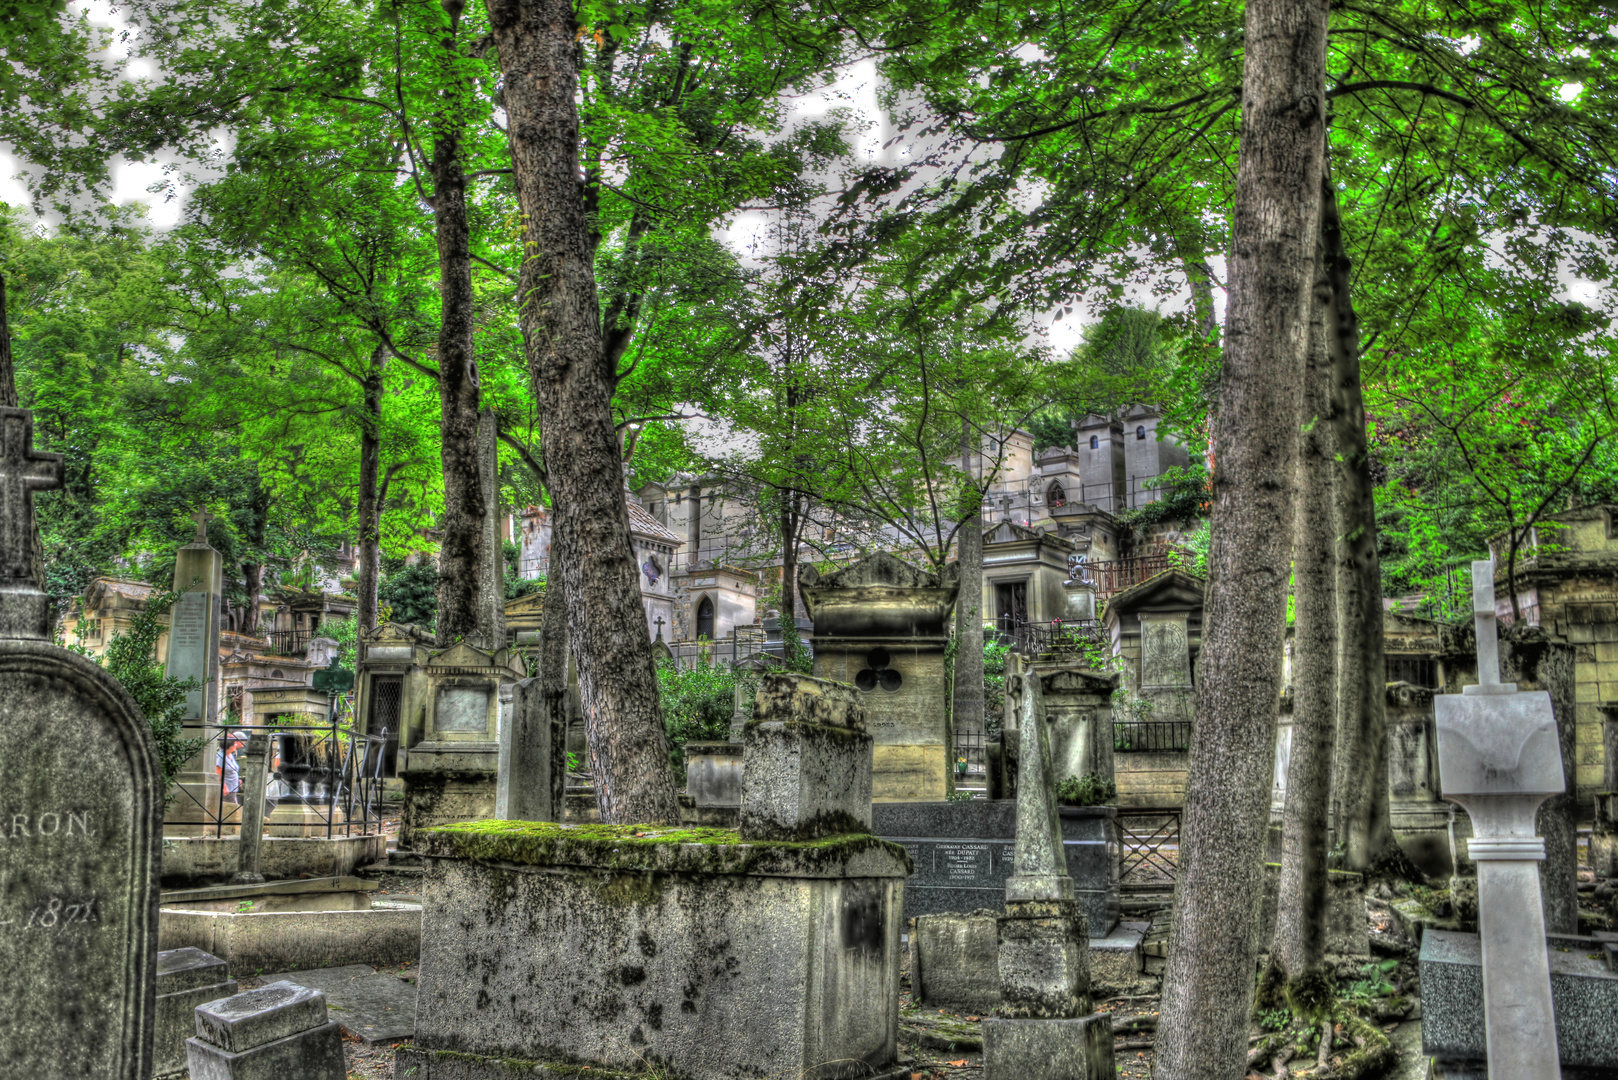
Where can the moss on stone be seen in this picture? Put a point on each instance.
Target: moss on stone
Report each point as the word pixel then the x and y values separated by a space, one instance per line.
pixel 671 849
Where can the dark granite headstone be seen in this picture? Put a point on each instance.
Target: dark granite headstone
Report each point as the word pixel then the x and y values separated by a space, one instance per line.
pixel 80 828
pixel 963 855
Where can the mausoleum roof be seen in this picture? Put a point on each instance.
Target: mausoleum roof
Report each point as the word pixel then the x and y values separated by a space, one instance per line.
pixel 644 525
pixel 1170 586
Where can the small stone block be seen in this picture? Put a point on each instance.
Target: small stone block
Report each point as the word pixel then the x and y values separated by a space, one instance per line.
pixel 176 1020
pixel 786 696
pixel 1077 1048
pixel 954 961
pixel 1044 961
pixel 314 1054
pixel 186 969
pixel 274 1011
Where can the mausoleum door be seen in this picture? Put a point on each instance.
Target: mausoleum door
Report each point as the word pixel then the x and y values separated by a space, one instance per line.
pixel 705 620
pixel 1010 604
pixel 384 716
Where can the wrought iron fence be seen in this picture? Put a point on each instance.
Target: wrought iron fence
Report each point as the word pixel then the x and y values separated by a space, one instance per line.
pixel 1149 843
pixel 1113 576
pixel 332 774
pixel 1151 736
pixel 1060 639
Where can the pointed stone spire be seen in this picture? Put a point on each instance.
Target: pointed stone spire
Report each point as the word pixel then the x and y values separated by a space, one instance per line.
pixel 1040 866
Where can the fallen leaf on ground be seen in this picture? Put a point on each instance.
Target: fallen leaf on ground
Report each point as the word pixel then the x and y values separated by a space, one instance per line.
pixel 956 1064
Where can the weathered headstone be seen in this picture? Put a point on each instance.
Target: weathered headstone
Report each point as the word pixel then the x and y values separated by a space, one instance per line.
pixel 194 654
pixel 1499 757
pixel 276 1032
pixel 524 789
pixel 1042 1031
pixel 186 978
pixel 1165 664
pixel 807 771
pixel 80 826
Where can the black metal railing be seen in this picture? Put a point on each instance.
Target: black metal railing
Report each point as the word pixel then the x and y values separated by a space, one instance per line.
pixel 969 748
pixel 1151 736
pixel 333 774
pixel 1060 639
pixel 289 642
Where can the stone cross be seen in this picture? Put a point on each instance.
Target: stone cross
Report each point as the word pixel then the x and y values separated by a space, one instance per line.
pixel 660 628
pixel 24 609
pixel 1499 757
pixel 201 517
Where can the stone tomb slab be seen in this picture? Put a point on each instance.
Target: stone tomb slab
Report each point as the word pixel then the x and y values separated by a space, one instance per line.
pixel 963 854
pixel 373 1005
pixel 1584 997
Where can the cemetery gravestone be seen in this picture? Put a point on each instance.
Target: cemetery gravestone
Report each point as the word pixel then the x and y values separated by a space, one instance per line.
pixel 194 654
pixel 1165 665
pixel 80 826
pixel 1499 756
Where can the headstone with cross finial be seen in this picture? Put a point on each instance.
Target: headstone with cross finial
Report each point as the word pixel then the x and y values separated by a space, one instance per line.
pixel 193 653
pixel 1499 757
pixel 80 825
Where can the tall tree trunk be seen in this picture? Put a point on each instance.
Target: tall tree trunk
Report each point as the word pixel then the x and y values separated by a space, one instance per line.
pixel 1360 787
pixel 1208 988
pixel 968 703
pixel 253 572
pixel 1298 955
pixel 553 680
pixel 461 523
pixel 1532 660
pixel 573 381
pixel 789 562
pixel 8 372
pixel 370 510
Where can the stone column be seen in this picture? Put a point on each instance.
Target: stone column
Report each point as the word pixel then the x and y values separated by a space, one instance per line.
pixel 807 757
pixel 1165 664
pixel 194 654
pixel 1500 757
pixel 491 619
pixel 252 795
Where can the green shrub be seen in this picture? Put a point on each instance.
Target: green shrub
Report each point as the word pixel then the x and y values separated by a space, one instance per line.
pixel 130 658
pixel 697 706
pixel 411 594
pixel 1088 790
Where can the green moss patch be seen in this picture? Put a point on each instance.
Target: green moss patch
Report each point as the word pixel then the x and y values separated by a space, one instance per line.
pixel 669 849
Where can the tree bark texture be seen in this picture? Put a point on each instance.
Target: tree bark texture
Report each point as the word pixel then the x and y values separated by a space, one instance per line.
pixel 968 704
pixel 1360 786
pixel 573 381
pixel 8 372
pixel 1532 660
pixel 1299 949
pixel 553 681
pixel 370 507
pixel 461 523
pixel 1208 987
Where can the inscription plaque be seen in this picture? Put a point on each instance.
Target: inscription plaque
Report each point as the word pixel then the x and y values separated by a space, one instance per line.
pixel 462 708
pixel 188 646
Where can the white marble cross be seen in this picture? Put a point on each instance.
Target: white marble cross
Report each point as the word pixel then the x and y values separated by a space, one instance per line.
pixel 1499 757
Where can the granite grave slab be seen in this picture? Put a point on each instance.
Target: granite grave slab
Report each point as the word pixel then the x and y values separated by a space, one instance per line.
pixel 963 854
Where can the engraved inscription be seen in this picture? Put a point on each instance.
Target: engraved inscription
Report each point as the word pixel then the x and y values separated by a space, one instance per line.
pixel 188 654
pixel 964 864
pixel 52 823
pixel 54 913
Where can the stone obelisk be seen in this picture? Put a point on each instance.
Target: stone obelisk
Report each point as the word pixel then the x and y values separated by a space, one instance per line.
pixel 1044 1029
